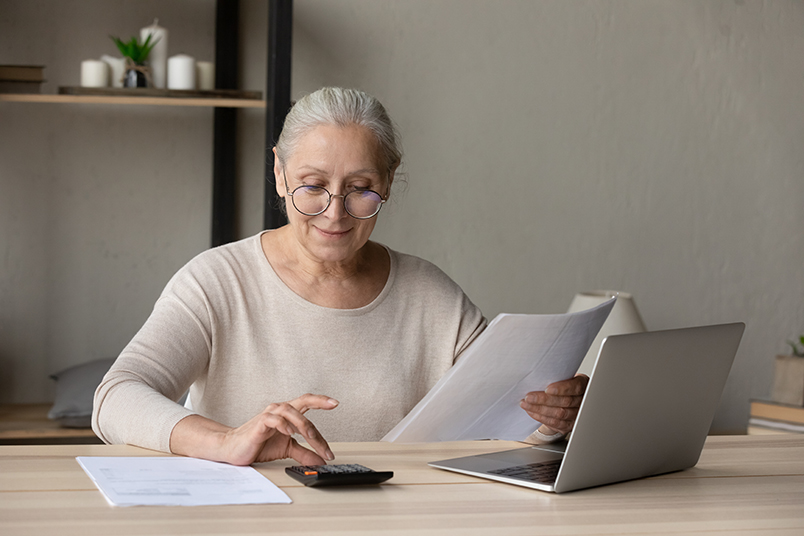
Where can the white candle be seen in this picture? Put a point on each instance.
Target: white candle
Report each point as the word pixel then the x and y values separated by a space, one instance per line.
pixel 157 59
pixel 94 73
pixel 117 68
pixel 181 72
pixel 205 74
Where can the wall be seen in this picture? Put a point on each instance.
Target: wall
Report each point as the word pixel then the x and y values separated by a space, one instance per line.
pixel 99 205
pixel 551 147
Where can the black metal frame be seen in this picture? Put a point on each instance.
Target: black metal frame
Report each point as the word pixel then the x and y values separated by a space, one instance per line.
pixel 280 34
pixel 224 166
pixel 224 152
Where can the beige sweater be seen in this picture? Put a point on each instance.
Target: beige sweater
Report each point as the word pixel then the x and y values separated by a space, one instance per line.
pixel 231 331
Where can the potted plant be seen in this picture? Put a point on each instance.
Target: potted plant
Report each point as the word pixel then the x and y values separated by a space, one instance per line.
pixel 788 381
pixel 137 74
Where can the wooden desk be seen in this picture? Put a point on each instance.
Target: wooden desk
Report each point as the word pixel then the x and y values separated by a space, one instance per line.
pixel 743 484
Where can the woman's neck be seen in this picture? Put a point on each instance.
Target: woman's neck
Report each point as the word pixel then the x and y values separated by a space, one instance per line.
pixel 345 284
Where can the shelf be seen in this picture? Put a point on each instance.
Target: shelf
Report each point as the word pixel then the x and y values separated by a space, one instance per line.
pixel 28 423
pixel 151 101
pixel 225 103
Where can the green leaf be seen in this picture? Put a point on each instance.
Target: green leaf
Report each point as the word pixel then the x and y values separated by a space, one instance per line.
pixel 138 53
pixel 796 349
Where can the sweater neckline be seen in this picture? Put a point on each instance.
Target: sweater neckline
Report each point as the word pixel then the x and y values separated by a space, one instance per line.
pixel 270 274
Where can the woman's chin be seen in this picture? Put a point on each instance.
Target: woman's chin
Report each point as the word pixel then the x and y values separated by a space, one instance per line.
pixel 331 244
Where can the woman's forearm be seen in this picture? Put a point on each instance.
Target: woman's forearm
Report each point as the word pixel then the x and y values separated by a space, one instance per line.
pixel 265 437
pixel 128 411
pixel 199 437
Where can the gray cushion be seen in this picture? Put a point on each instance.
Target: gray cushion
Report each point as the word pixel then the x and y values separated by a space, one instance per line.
pixel 75 389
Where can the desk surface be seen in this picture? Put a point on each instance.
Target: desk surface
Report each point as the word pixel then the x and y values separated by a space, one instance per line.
pixel 742 484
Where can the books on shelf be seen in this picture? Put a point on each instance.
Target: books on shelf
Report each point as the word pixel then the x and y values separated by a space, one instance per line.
pixel 773 417
pixel 780 426
pixel 22 73
pixel 21 78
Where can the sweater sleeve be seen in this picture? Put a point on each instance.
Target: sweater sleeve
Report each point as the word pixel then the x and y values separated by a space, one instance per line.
pixel 135 402
pixel 440 300
pixel 472 324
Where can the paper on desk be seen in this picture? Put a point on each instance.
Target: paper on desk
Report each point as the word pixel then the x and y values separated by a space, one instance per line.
pixel 171 481
pixel 479 397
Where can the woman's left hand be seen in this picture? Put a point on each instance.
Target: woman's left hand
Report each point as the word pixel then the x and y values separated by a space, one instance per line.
pixel 557 406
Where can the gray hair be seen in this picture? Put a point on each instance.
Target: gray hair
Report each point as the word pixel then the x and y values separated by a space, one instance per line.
pixel 341 107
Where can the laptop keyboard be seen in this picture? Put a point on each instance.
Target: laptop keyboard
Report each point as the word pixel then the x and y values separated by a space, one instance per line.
pixel 542 472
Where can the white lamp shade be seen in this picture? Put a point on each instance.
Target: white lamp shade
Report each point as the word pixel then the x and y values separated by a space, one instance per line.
pixel 624 318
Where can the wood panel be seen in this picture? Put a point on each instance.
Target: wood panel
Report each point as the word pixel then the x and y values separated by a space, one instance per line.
pixel 27 423
pixel 122 100
pixel 746 485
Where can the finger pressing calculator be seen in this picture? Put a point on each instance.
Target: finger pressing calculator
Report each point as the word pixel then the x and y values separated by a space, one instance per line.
pixel 348 474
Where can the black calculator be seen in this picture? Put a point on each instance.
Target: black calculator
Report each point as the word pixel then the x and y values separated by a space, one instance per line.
pixel 347 474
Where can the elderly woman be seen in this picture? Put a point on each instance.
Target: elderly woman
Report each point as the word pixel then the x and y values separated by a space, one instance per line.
pixel 312 307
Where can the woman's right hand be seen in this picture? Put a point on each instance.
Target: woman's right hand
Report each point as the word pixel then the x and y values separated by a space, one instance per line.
pixel 266 437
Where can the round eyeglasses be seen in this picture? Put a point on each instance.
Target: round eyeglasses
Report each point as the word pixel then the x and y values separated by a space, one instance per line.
pixel 315 200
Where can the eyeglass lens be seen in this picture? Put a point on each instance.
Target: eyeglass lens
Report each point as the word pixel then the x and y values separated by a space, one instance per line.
pixel 313 200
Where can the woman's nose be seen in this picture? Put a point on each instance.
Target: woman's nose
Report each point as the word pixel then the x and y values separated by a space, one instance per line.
pixel 337 208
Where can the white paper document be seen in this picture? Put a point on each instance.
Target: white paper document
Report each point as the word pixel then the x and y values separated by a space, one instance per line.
pixel 479 397
pixel 170 481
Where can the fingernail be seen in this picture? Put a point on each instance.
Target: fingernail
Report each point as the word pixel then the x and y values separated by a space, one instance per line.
pixel 330 455
pixel 333 402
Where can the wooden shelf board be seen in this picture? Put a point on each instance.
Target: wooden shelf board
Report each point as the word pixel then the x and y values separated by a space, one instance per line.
pixel 150 101
pixel 30 421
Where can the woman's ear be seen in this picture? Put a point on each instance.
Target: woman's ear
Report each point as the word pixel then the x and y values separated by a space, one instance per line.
pixel 279 183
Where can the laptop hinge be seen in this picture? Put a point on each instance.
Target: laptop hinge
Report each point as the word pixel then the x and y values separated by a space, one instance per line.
pixel 558 446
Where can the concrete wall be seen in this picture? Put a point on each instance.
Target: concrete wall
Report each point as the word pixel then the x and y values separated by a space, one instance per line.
pixel 551 147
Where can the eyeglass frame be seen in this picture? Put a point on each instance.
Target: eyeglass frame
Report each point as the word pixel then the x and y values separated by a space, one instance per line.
pixel 329 200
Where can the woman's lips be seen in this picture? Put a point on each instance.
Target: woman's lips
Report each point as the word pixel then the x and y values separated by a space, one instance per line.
pixel 332 233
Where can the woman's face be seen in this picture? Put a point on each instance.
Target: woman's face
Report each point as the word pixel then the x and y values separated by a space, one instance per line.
pixel 340 160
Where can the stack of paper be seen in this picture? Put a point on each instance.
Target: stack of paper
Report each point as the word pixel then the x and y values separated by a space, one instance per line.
pixel 479 397
pixel 172 481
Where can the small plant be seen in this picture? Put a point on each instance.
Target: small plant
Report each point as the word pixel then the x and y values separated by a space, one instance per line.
pixel 797 347
pixel 136 52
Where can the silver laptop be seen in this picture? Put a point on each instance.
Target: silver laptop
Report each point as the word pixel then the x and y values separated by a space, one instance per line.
pixel 647 411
